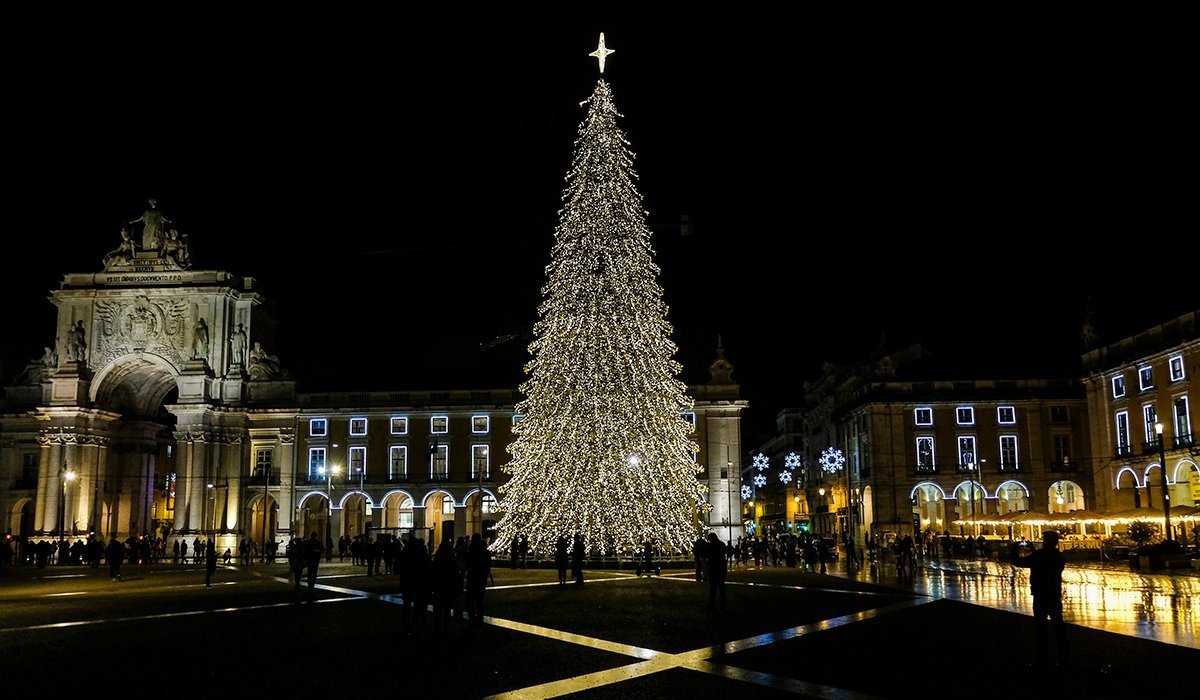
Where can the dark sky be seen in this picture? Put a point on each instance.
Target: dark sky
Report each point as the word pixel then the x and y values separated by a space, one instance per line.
pixel 394 184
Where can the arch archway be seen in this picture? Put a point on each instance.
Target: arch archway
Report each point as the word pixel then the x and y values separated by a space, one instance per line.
pixel 398 510
pixel 1187 477
pixel 1012 497
pixel 929 506
pixel 1065 496
pixel 481 512
pixel 440 508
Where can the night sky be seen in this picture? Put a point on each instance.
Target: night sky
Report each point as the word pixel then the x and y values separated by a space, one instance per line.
pixel 394 185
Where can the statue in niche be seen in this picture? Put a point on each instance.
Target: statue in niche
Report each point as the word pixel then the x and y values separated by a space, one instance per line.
pixel 237 346
pixel 262 365
pixel 200 340
pixel 124 251
pixel 152 222
pixel 76 342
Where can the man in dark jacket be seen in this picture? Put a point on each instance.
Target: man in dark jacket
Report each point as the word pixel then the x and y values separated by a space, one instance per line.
pixel 1045 583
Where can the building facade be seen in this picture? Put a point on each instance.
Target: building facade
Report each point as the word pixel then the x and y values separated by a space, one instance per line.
pixel 878 453
pixel 160 410
pixel 1141 394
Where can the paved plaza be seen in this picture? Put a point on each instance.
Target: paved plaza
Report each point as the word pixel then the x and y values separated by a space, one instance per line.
pixel 783 633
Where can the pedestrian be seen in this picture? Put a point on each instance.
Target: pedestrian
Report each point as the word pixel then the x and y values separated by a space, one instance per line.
pixel 560 558
pixel 1045 583
pixel 312 559
pixel 295 558
pixel 478 569
pixel 446 587
pixel 715 552
pixel 577 558
pixel 115 554
pixel 210 562
pixel 699 555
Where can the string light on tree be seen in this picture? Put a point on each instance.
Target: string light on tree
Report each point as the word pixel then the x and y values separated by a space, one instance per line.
pixel 832 460
pixel 603 448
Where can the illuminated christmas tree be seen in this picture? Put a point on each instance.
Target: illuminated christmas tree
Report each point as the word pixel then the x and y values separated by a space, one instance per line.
pixel 602 447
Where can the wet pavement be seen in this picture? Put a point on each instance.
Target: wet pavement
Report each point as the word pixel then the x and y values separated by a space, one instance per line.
pixel 1110 597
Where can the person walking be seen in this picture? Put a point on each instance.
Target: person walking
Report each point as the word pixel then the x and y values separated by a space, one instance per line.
pixel 210 563
pixel 1045 583
pixel 295 558
pixel 715 553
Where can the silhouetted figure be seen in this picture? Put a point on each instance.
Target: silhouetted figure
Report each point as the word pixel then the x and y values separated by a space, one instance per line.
pixel 715 553
pixel 479 566
pixel 1045 583
pixel 210 563
pixel 115 554
pixel 312 559
pixel 577 558
pixel 560 558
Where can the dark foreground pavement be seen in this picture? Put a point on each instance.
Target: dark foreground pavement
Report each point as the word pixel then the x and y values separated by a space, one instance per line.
pixel 783 633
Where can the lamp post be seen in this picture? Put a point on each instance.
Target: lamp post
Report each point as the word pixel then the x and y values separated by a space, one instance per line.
pixel 265 510
pixel 1162 472
pixel 212 496
pixel 728 495
pixel 66 476
pixel 329 473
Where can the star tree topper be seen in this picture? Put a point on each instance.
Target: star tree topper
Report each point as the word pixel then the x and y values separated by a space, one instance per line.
pixel 601 51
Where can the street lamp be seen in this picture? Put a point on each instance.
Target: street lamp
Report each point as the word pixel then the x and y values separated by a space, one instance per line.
pixel 329 474
pixel 1162 472
pixel 66 476
pixel 212 496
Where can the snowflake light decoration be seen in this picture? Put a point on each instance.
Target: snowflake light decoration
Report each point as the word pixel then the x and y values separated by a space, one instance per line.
pixel 747 492
pixel 832 460
pixel 760 480
pixel 761 462
pixel 792 461
pixel 785 476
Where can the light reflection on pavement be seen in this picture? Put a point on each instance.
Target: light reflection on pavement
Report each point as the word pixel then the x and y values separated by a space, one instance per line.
pixel 1108 597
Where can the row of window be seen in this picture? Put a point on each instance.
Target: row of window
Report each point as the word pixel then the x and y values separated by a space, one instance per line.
pixel 1146 376
pixel 1182 424
pixel 439 461
pixel 968 456
pixel 438 425
pixel 965 415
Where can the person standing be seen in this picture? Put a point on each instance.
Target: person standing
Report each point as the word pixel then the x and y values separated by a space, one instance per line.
pixel 1045 583
pixel 446 587
pixel 577 558
pixel 312 559
pixel 115 554
pixel 478 567
pixel 210 563
pixel 560 558
pixel 295 559
pixel 715 553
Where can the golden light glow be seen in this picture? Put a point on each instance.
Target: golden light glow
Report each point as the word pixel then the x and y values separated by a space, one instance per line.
pixel 603 448
pixel 600 52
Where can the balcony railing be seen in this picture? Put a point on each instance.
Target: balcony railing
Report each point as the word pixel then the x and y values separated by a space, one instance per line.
pixel 399 479
pixel 1062 466
pixel 258 479
pixel 439 477
pixel 1150 447
pixel 1188 440
pixel 1122 451
pixel 1010 466
pixel 968 468
pixel 924 469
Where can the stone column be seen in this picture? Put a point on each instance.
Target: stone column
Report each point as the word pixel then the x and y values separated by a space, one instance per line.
pixel 284 465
